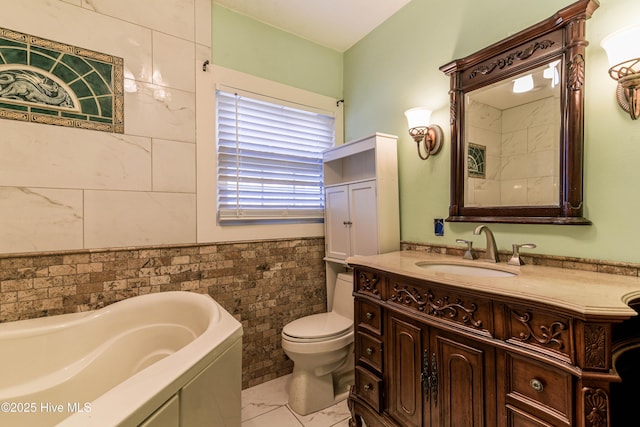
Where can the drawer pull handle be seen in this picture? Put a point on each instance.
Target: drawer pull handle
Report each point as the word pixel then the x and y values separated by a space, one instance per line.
pixel 368 387
pixel 536 384
pixel 369 315
pixel 370 351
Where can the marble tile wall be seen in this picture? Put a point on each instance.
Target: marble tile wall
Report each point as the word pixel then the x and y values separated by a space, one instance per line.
pixel 530 162
pixel 88 218
pixel 69 189
pixel 263 284
pixel 485 127
pixel 522 155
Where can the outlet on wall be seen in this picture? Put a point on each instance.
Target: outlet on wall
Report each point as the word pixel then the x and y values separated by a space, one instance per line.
pixel 438 226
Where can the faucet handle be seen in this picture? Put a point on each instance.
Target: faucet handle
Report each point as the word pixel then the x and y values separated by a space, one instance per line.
pixel 515 257
pixel 469 252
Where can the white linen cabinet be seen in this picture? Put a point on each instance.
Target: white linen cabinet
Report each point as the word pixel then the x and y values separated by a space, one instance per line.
pixel 361 198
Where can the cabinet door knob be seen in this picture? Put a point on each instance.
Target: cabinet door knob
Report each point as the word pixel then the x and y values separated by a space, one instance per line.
pixel 367 387
pixel 369 315
pixel 536 384
pixel 369 351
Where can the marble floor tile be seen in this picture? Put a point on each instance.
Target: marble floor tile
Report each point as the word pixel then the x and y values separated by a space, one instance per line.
pixel 265 397
pixel 280 417
pixel 265 405
pixel 331 416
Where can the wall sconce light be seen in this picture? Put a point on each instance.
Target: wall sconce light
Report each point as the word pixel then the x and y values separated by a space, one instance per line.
pixel 423 132
pixel 623 51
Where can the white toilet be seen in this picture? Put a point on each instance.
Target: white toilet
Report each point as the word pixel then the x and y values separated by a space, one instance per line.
pixel 321 348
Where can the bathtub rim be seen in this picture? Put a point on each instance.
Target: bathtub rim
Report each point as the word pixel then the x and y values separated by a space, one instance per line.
pixel 153 386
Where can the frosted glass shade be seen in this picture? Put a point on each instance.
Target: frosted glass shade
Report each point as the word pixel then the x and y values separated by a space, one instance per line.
pixel 418 117
pixel 623 45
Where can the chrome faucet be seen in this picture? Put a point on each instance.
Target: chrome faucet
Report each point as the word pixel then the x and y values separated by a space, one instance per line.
pixel 491 253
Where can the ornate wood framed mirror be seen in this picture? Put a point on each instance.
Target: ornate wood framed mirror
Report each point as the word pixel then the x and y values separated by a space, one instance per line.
pixel 517 125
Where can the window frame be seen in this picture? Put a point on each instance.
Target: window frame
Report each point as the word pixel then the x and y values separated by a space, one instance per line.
pixel 208 229
pixel 242 214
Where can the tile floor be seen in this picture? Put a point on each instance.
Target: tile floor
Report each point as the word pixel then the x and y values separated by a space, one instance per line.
pixel 265 405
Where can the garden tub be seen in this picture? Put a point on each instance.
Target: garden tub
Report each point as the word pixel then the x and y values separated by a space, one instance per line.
pixel 163 359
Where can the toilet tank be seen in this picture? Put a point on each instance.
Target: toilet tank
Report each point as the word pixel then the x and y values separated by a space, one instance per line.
pixel 343 295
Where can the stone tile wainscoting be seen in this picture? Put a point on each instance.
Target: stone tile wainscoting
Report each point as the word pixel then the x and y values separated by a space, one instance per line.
pixel 611 267
pixel 264 284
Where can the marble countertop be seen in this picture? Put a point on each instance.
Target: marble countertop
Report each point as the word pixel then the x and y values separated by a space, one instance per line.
pixel 584 292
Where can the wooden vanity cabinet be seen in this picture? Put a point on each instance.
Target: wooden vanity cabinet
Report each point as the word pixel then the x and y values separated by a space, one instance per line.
pixel 427 374
pixel 437 378
pixel 429 354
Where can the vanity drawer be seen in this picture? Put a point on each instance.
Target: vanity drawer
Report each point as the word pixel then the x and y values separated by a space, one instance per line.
pixel 368 283
pixel 369 351
pixel 518 418
pixel 541 331
pixel 534 384
pixel 368 387
pixel 368 316
pixel 467 310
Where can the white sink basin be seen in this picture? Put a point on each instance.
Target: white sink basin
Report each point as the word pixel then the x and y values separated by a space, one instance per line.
pixel 465 270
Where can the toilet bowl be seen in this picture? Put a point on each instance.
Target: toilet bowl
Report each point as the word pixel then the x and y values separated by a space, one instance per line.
pixel 321 348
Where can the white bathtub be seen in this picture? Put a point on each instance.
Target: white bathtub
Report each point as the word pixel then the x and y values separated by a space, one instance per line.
pixel 165 359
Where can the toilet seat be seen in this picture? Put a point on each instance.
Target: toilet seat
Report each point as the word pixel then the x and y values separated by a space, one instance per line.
pixel 317 327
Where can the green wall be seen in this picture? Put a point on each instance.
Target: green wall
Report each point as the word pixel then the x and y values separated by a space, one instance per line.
pixel 396 67
pixel 246 45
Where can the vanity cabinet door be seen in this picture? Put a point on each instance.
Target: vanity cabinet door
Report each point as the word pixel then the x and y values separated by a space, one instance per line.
pixel 438 379
pixel 405 344
pixel 462 382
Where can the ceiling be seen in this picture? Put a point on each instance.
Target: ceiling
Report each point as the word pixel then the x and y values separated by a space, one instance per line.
pixel 337 24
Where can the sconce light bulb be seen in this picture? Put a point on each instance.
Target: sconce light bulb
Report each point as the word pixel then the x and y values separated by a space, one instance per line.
pixel 423 133
pixel 622 45
pixel 523 84
pixel 418 117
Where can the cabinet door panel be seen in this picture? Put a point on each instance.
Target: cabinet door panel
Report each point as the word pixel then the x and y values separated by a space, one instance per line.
pixel 337 222
pixel 405 402
pixel 363 216
pixel 461 384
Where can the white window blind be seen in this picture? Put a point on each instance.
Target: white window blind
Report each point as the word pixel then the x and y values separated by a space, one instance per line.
pixel 270 158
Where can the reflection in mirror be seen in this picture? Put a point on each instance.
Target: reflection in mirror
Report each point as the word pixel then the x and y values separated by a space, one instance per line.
pixel 512 135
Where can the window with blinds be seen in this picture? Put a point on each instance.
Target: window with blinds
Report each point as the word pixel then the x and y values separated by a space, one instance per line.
pixel 270 158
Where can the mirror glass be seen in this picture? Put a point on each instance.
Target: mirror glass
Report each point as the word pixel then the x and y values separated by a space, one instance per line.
pixel 512 140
